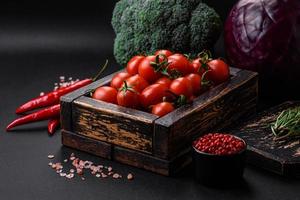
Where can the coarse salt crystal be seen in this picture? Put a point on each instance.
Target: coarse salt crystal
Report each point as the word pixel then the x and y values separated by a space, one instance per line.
pixel 129 176
pixel 87 164
pixel 70 175
pixel 65 160
pixel 58 166
pixel 62 174
pixel 98 175
pixel 116 175
pixel 109 169
pixel 42 93
pixel 50 156
pixel 80 164
pixel 72 170
pixel 72 158
pixel 79 171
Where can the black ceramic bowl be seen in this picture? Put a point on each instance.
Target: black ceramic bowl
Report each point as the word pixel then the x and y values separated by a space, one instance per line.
pixel 219 170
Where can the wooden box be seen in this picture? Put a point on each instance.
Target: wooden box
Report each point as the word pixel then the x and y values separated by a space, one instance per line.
pixel 146 141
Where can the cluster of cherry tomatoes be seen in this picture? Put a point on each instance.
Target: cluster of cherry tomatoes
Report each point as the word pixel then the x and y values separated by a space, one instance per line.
pixel 161 82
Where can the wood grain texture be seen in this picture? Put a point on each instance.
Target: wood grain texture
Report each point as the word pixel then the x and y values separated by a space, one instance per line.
pixel 66 114
pixel 114 124
pixel 234 71
pixel 214 110
pixel 139 160
pixel 281 157
pixel 151 163
pixel 89 145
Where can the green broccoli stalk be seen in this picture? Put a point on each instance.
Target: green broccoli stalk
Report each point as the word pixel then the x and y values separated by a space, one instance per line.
pixel 144 26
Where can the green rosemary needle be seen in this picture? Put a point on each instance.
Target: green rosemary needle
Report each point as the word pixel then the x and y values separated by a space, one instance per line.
pixel 287 124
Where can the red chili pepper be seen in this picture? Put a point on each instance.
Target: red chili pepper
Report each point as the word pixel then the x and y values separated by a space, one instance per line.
pixel 47 113
pixel 51 98
pixel 52 125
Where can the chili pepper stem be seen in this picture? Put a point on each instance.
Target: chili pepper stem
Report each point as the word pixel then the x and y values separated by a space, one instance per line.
pixel 204 82
pixel 101 71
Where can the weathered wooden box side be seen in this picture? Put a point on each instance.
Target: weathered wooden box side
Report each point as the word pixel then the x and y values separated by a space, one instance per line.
pixel 110 123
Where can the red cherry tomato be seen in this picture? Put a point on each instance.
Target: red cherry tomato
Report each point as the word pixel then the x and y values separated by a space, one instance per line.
pixel 164 81
pixel 147 71
pixel 182 86
pixel 195 80
pixel 197 66
pixel 133 65
pixel 163 52
pixel 118 79
pixel 162 109
pixel 179 63
pixel 128 97
pixel 153 94
pixel 137 82
pixel 218 71
pixel 106 93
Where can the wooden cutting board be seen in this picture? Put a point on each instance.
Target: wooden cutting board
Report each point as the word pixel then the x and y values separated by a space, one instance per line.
pixel 281 157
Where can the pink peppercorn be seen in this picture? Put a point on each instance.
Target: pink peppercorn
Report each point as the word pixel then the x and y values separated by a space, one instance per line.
pixel 219 144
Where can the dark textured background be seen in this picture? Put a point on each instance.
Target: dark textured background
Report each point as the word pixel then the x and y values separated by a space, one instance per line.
pixel 38 43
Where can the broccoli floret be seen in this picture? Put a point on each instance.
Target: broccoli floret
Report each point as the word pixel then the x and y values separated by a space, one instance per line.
pixel 202 20
pixel 143 26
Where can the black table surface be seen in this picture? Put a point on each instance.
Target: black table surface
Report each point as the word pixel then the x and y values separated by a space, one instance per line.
pixel 75 48
pixel 24 170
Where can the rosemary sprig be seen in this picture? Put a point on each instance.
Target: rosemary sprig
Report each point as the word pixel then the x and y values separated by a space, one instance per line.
pixel 287 124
